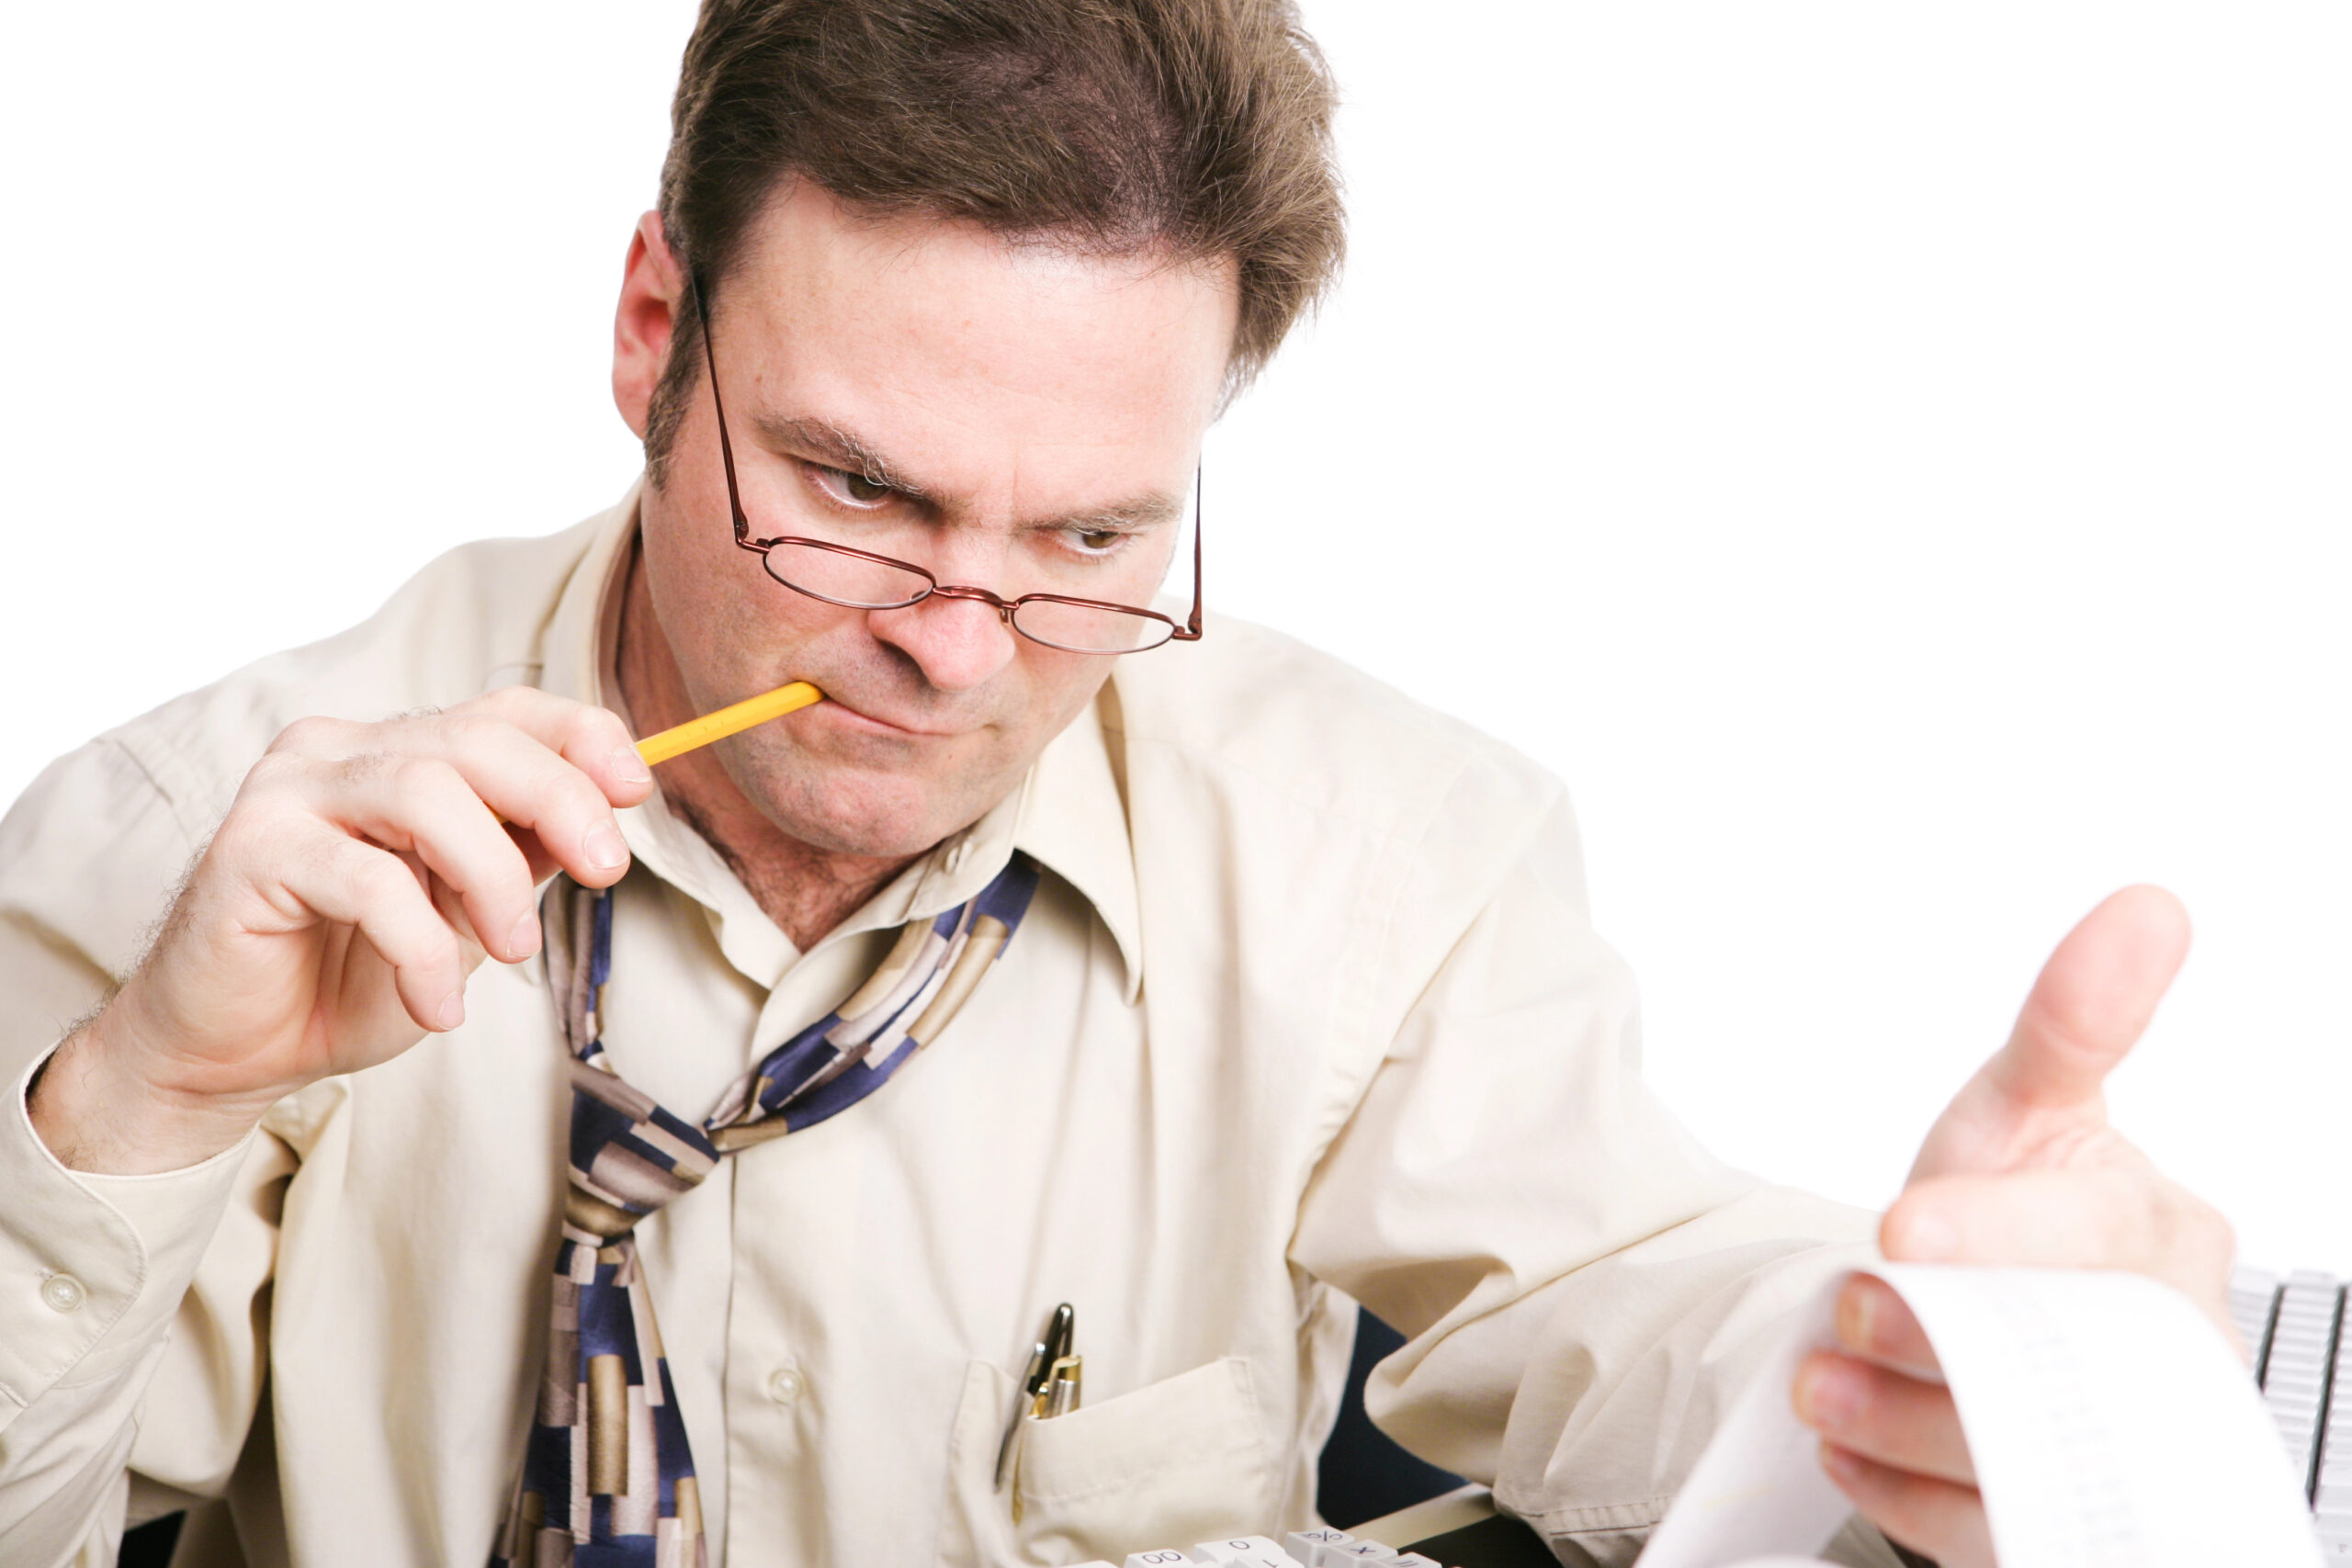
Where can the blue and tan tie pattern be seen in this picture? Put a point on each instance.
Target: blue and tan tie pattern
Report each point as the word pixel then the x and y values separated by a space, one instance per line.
pixel 607 1480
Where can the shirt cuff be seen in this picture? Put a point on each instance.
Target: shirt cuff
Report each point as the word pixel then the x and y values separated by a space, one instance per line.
pixel 92 1268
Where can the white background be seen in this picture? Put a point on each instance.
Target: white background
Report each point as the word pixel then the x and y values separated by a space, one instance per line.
pixel 1890 459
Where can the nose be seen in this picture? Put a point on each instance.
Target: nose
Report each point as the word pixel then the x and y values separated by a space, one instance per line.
pixel 958 644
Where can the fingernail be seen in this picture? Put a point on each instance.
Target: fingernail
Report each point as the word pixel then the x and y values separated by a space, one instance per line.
pixel 1929 1237
pixel 1826 1398
pixel 524 939
pixel 605 850
pixel 1857 1319
pixel 629 768
pixel 453 1010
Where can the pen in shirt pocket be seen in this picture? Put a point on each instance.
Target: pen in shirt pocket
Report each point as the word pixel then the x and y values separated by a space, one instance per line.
pixel 1062 1387
pixel 1038 1382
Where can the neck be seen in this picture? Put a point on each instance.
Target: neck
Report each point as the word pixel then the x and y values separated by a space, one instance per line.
pixel 805 890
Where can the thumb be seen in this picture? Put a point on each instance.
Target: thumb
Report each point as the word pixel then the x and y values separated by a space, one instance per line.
pixel 2093 1001
pixel 2091 1004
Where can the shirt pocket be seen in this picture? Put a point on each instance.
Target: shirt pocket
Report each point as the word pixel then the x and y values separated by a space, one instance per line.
pixel 1176 1461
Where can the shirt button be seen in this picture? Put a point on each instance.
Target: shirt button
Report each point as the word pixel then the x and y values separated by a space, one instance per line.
pixel 786 1385
pixel 64 1293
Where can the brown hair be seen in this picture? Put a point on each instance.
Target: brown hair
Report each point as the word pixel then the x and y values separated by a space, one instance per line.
pixel 1202 127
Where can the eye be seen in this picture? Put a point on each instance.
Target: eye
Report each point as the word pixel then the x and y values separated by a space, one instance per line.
pixel 851 488
pixel 1097 541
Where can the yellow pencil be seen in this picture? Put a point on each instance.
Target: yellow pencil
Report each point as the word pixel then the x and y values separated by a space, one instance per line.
pixel 711 727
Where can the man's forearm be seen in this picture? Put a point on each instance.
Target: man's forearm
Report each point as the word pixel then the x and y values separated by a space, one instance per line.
pixel 98 1118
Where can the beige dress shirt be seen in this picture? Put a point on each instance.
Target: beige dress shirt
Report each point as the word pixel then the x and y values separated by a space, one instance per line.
pixel 1307 1008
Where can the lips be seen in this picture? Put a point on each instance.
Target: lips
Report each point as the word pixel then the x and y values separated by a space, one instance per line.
pixel 863 719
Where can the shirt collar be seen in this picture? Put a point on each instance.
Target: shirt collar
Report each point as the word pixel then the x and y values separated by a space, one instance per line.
pixel 1073 819
pixel 1069 814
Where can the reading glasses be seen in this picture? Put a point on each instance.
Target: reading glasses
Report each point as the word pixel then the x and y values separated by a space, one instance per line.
pixel 863 580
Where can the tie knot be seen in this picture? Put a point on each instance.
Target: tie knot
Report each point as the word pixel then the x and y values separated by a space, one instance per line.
pixel 598 1220
pixel 630 1156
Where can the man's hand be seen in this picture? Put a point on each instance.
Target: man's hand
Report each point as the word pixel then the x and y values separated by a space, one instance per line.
pixel 360 877
pixel 2022 1168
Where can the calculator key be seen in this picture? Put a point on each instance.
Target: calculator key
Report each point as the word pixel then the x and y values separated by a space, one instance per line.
pixel 1359 1551
pixel 1307 1545
pixel 1415 1559
pixel 1160 1557
pixel 1251 1549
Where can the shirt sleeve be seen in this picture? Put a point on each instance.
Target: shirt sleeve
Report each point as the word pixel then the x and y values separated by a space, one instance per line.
pixel 107 1280
pixel 1582 1288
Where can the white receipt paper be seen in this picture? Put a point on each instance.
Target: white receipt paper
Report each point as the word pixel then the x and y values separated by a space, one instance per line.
pixel 2111 1425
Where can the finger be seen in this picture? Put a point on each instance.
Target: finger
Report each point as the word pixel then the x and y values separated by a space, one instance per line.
pixel 1874 1322
pixel 332 877
pixel 535 854
pixel 1938 1518
pixel 2043 1089
pixel 2092 1001
pixel 2119 1215
pixel 448 903
pixel 591 738
pixel 425 806
pixel 531 785
pixel 552 767
pixel 1884 1416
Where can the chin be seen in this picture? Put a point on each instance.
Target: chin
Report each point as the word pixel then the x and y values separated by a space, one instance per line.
pixel 857 813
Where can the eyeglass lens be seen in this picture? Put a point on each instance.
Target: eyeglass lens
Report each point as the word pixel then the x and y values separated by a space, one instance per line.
pixel 856 582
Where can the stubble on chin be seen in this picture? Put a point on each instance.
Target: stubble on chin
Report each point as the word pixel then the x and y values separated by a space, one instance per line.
pixel 876 808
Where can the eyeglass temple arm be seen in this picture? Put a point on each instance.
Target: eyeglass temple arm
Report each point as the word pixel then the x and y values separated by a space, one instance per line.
pixel 726 447
pixel 1191 632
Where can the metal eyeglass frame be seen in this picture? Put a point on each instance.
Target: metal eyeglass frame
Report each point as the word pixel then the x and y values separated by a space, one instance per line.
pixel 1005 608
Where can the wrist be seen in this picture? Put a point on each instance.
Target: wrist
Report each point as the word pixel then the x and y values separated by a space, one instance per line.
pixel 98 1111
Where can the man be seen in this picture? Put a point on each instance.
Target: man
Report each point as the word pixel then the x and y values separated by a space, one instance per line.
pixel 1265 986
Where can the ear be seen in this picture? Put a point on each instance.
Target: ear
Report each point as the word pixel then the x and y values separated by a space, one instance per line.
pixel 652 289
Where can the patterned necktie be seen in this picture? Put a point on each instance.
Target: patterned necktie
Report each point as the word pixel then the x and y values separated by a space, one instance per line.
pixel 607 1478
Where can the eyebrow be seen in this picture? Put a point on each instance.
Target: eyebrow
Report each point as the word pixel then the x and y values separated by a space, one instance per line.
pixel 838 448
pixel 845 450
pixel 1137 515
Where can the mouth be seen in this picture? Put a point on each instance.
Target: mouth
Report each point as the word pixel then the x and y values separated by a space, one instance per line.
pixel 858 720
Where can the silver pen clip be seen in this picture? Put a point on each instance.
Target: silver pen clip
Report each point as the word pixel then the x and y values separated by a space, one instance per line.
pixel 1036 1382
pixel 1063 1386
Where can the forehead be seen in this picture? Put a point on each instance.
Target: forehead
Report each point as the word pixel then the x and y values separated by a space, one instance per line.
pixel 961 348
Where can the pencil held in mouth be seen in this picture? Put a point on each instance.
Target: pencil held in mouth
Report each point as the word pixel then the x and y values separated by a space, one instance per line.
pixel 699 732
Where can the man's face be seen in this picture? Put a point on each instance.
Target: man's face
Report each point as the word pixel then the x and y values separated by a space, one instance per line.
pixel 1033 419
